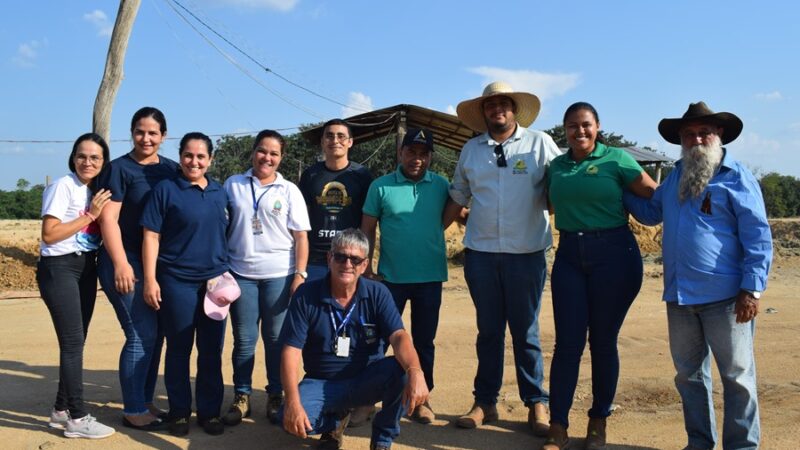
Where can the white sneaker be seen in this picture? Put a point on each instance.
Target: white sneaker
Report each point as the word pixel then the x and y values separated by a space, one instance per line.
pixel 87 427
pixel 58 419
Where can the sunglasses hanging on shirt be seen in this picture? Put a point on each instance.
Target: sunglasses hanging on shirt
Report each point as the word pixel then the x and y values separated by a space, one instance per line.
pixel 500 155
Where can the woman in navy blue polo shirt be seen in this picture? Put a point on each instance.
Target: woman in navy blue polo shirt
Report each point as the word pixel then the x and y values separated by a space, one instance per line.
pixel 184 246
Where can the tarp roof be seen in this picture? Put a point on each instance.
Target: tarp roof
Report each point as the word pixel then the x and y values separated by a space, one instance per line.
pixel 448 130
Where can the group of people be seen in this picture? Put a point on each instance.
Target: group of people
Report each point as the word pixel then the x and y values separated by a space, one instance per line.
pixel 295 262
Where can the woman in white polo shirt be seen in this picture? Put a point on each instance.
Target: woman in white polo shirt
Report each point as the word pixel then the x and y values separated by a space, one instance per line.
pixel 268 250
pixel 67 276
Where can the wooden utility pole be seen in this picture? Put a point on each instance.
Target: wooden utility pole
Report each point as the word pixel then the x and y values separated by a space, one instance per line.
pixel 112 77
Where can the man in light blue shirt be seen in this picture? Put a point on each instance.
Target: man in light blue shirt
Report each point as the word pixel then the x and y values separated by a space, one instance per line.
pixel 500 175
pixel 717 252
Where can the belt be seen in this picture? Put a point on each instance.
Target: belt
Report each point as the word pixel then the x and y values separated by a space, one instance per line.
pixel 595 233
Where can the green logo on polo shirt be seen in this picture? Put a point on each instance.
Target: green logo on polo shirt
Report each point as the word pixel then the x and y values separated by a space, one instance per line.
pixel 520 167
pixel 592 170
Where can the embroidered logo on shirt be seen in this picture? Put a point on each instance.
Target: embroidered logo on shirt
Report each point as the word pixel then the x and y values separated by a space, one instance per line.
pixel 592 170
pixel 276 208
pixel 520 168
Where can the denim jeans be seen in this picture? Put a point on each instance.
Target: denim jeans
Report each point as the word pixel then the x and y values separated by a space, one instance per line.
pixel 264 301
pixel 695 333
pixel 68 285
pixel 182 316
pixel 316 272
pixel 425 298
pixel 326 401
pixel 507 288
pixel 141 353
pixel 596 276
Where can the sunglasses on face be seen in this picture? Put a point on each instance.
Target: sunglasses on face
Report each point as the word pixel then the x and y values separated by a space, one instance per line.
pixel 341 258
pixel 501 157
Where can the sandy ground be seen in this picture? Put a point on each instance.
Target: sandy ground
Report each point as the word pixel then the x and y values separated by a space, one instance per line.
pixel 648 414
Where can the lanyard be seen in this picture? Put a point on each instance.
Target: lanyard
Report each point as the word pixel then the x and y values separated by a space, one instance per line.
pixel 253 191
pixel 337 330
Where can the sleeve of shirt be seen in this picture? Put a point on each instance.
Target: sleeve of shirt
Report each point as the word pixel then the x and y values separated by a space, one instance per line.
pixel 459 188
pixel 294 332
pixel 155 209
pixel 114 180
pixel 629 169
pixel 298 212
pixel 372 204
pixel 55 200
pixel 649 212
pixel 754 232
pixel 551 150
pixel 389 319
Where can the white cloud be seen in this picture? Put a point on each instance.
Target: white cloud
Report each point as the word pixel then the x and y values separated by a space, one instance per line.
pixel 794 126
pixel 28 53
pixel 100 21
pixel 451 110
pixel 754 145
pixel 773 96
pixel 544 85
pixel 280 5
pixel 357 103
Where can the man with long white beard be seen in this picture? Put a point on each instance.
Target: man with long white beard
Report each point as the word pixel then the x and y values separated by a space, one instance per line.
pixel 717 251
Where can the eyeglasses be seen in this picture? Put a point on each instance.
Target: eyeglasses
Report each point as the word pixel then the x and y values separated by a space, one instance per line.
pixel 501 157
pixel 94 159
pixel 340 137
pixel 341 258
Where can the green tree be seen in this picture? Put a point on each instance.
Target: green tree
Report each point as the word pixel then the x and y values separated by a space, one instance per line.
pixel 23 184
pixel 781 195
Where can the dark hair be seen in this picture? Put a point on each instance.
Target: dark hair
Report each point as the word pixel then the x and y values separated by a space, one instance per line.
pixel 263 134
pixel 97 139
pixel 198 136
pixel 577 106
pixel 337 122
pixel 149 111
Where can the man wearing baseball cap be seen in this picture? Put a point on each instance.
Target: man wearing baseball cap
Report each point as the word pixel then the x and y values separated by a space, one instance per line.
pixel 408 204
pixel 717 252
pixel 500 175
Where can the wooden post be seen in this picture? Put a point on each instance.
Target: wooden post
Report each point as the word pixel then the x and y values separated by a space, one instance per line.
pixel 658 172
pixel 112 77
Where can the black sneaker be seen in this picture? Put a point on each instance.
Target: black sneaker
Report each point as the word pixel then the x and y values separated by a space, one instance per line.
pixel 333 440
pixel 274 403
pixel 179 427
pixel 212 426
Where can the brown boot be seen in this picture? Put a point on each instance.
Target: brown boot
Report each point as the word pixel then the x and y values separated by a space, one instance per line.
pixel 539 419
pixel 595 434
pixel 477 416
pixel 361 415
pixel 423 414
pixel 557 438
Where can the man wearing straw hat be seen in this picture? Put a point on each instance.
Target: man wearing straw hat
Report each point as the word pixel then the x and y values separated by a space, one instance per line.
pixel 500 175
pixel 717 251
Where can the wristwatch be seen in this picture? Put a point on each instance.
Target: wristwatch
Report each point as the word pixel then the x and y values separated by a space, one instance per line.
pixel 756 294
pixel 302 273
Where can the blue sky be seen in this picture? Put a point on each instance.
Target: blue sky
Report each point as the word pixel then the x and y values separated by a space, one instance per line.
pixel 636 61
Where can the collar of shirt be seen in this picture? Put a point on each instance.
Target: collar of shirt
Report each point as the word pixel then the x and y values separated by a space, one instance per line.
pixel 487 139
pixel 278 179
pixel 599 151
pixel 401 178
pixel 183 183
pixel 327 298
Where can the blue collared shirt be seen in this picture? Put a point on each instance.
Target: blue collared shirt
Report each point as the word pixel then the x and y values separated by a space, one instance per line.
pixel 715 244
pixel 508 213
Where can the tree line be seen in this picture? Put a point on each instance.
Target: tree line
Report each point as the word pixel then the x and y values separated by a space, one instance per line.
pixel 232 155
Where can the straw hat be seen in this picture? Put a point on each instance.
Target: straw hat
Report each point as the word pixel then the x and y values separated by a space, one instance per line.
pixel 471 111
pixel 699 112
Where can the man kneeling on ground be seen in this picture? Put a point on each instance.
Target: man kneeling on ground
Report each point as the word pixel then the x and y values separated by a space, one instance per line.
pixel 337 324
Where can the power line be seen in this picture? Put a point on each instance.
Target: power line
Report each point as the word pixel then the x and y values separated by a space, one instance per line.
pixel 262 66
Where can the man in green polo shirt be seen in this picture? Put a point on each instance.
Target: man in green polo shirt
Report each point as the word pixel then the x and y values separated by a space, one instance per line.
pixel 409 203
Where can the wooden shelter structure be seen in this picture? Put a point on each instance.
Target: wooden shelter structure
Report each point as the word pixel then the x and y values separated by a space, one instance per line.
pixel 448 131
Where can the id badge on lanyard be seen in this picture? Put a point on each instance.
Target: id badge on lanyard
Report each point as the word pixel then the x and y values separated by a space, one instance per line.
pixel 341 346
pixel 255 222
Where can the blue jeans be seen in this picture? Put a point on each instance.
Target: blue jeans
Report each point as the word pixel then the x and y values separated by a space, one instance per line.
pixel 316 272
pixel 507 288
pixel 327 401
pixel 141 353
pixel 696 332
pixel 596 276
pixel 264 301
pixel 182 316
pixel 68 286
pixel 425 298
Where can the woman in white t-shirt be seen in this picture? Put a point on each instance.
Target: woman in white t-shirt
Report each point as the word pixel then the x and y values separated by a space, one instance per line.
pixel 268 251
pixel 67 276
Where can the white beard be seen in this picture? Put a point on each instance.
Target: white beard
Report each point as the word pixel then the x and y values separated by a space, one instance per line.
pixel 699 165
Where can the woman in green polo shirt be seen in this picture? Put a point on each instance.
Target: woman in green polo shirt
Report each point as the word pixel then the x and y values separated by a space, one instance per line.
pixel 597 272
